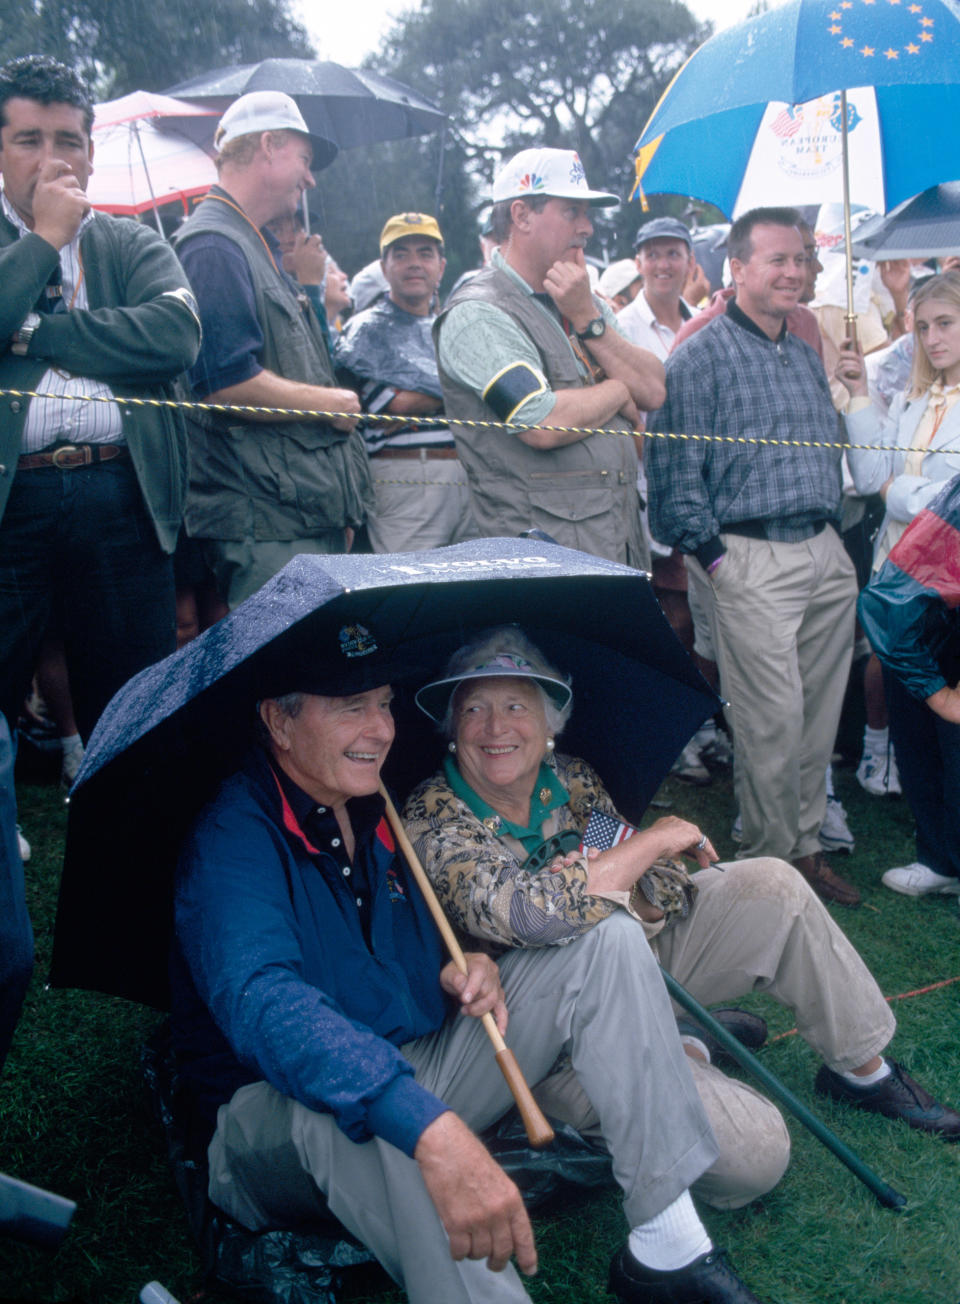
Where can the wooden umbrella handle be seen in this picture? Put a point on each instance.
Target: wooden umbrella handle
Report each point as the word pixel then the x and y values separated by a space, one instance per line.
pixel 539 1132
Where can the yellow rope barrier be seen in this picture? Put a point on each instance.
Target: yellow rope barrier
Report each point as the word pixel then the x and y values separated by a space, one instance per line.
pixel 384 418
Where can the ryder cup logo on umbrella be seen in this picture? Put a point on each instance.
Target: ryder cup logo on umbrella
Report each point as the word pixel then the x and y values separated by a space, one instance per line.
pixel 807 138
pixel 356 641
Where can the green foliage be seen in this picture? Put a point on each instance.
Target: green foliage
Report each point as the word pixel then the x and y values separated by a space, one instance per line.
pixel 71 1120
pixel 125 45
pixel 363 187
pixel 573 74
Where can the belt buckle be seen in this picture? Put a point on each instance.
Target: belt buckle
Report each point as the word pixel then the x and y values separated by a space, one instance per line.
pixel 66 450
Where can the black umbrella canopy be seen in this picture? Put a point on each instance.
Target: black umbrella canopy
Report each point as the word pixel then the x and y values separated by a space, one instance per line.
pixel 177 729
pixel 926 226
pixel 348 106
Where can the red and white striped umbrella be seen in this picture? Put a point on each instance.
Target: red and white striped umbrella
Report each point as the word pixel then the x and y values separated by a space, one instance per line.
pixel 136 166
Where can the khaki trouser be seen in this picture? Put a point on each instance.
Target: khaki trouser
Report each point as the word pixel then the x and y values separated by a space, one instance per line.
pixel 421 503
pixel 781 619
pixel 601 999
pixel 756 926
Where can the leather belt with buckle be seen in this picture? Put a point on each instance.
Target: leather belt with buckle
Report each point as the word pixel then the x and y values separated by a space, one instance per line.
pixel 420 454
pixel 68 456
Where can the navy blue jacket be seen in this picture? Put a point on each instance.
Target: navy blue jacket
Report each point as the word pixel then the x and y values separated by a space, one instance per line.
pixel 273 977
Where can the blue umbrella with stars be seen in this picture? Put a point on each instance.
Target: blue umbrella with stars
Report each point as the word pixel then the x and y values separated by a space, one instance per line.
pixel 754 85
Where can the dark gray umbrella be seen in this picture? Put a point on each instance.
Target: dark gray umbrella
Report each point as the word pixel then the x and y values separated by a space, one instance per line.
pixel 926 226
pixel 175 730
pixel 349 106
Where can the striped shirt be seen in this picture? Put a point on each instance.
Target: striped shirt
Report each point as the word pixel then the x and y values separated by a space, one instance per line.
pixel 51 421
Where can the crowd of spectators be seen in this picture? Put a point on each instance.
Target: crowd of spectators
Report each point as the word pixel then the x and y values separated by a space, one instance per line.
pixel 414 421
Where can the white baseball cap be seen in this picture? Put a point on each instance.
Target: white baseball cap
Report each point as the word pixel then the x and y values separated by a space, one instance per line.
pixel 618 276
pixel 556 173
pixel 270 111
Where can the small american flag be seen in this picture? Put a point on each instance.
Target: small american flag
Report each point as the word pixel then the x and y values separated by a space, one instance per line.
pixel 605 831
pixel 789 122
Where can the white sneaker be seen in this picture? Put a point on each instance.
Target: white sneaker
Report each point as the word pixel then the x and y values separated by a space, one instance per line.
pixel 918 880
pixel 878 774
pixel 24 846
pixel 835 832
pixel 689 767
pixel 714 746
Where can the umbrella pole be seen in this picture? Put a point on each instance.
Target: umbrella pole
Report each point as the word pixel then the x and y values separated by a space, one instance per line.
pixel 851 316
pixel 539 1131
pixel 146 173
pixel 886 1195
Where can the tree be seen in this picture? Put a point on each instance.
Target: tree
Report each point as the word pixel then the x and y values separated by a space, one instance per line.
pixel 575 74
pixel 124 45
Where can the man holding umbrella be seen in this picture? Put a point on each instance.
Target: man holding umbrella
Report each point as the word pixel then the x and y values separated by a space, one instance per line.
pixel 264 485
pixel 320 1033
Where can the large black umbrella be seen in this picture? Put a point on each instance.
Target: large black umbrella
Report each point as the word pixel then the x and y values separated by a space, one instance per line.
pixel 926 226
pixel 349 106
pixel 175 730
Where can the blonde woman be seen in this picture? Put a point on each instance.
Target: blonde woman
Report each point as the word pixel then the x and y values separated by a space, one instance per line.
pixel 911 452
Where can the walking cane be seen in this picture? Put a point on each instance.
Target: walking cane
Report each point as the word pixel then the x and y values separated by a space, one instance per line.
pixel 539 1131
pixel 886 1195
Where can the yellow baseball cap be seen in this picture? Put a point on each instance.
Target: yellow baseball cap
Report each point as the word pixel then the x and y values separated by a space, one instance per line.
pixel 402 224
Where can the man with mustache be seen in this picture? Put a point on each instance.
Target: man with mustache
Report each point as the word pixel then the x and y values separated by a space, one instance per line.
pixel 93 308
pixel 526 343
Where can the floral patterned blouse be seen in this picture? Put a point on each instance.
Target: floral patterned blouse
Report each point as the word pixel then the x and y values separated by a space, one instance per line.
pixel 487 893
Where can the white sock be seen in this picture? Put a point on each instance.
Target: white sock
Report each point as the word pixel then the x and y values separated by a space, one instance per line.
pixel 688 1039
pixel 876 741
pixel 672 1239
pixel 868 1079
pixel 829 781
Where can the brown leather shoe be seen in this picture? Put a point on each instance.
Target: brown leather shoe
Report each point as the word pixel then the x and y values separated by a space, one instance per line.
pixel 827 885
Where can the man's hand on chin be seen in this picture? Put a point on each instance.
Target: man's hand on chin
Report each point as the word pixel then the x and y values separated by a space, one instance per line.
pixel 479 1206
pixel 568 285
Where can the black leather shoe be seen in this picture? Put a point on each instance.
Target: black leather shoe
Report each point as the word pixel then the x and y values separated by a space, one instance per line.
pixel 897 1096
pixel 749 1029
pixel 707 1280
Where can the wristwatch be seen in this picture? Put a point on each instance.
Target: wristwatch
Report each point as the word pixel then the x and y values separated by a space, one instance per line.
pixel 21 340
pixel 593 329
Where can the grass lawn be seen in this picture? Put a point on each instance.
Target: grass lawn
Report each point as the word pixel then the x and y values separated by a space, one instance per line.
pixel 73 1120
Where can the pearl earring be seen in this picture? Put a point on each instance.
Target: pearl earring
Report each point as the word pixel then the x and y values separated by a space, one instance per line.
pixel 451 746
pixel 550 744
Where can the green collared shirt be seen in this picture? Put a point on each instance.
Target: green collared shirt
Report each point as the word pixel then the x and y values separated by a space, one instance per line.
pixel 548 794
pixel 479 341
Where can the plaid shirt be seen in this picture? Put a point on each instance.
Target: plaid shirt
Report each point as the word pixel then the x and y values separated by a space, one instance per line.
pixel 732 380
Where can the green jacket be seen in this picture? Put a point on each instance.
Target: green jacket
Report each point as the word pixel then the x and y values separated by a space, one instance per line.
pixel 251 479
pixel 139 332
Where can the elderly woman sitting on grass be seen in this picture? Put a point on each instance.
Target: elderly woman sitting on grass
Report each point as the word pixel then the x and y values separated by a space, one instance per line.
pixel 503 831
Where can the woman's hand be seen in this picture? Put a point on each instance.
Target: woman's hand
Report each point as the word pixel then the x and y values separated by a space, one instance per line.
pixel 946 703
pixel 620 867
pixel 851 370
pixel 478 990
pixel 681 838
